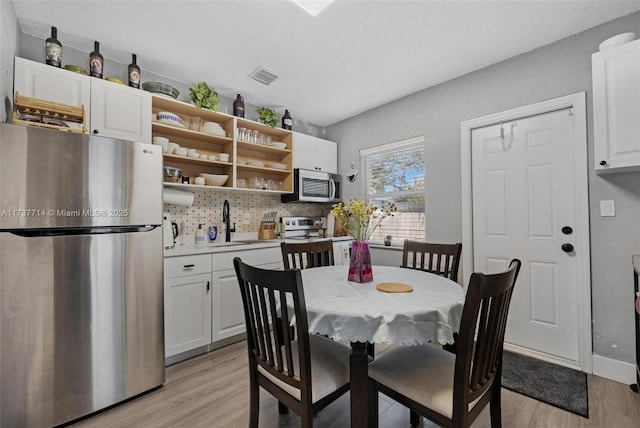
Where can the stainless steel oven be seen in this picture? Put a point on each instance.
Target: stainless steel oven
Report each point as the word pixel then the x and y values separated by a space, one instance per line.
pixel 314 186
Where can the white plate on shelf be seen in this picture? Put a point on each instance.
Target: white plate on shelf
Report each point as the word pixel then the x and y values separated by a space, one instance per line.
pixel 276 165
pixel 170 122
pixel 255 163
pixel 279 145
pixel 242 162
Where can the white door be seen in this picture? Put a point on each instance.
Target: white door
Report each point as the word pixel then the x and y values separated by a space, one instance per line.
pixel 524 206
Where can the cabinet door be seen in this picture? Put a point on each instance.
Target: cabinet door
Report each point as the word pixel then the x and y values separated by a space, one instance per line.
pixel 119 111
pixel 228 312
pixel 187 313
pixel 314 153
pixel 36 80
pixel 616 108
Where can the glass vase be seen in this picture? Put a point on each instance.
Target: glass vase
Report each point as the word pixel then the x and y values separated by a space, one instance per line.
pixel 360 263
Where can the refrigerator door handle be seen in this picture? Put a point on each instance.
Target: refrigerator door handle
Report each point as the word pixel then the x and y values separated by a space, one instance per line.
pixel 60 231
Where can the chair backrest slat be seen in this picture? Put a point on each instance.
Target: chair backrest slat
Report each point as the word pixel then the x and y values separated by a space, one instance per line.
pixel 441 259
pixel 268 295
pixel 304 255
pixel 479 348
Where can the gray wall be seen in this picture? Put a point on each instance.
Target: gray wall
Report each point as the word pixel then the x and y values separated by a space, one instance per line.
pixel 555 70
pixel 8 49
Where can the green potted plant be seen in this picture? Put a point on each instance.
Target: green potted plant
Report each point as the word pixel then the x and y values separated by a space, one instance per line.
pixel 204 96
pixel 268 117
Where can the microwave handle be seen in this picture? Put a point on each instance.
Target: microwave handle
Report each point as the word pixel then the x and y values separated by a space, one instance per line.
pixel 332 189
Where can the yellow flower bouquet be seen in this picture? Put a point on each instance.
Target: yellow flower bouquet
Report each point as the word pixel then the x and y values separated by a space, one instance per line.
pixel 360 219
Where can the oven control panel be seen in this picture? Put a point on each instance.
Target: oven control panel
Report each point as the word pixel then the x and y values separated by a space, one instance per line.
pixel 302 226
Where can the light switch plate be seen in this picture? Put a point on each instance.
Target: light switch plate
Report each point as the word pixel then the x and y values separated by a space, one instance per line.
pixel 607 208
pixel 247 218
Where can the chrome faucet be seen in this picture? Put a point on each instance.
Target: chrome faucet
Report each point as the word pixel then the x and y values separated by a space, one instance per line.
pixel 226 219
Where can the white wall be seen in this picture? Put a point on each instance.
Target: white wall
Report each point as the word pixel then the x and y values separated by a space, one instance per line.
pixel 558 69
pixel 8 49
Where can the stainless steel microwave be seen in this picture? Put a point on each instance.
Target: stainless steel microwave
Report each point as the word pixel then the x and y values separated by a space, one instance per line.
pixel 313 186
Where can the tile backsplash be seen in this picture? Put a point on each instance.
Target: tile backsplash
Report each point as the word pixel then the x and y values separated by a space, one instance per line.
pixel 207 210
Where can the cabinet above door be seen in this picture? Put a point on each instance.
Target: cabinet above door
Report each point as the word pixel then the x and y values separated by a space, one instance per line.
pixel 616 108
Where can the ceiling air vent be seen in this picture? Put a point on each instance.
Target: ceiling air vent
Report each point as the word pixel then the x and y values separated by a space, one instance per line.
pixel 263 76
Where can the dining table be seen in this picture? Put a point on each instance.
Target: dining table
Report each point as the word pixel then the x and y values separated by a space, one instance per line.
pixel 363 315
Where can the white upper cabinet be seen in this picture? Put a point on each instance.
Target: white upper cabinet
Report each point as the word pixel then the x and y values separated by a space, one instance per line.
pixel 111 110
pixel 314 153
pixel 36 80
pixel 119 111
pixel 616 108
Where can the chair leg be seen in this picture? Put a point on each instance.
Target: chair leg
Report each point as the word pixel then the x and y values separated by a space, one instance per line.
pixel 282 409
pixel 496 410
pixel 306 418
pixel 372 406
pixel 414 418
pixel 254 404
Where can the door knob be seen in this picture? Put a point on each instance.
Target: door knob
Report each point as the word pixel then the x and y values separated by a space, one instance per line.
pixel 567 230
pixel 95 131
pixel 567 248
pixel 603 163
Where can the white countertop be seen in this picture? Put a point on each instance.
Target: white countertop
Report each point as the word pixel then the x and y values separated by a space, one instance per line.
pixel 239 243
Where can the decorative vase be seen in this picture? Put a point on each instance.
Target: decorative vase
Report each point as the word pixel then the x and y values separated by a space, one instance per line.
pixel 360 263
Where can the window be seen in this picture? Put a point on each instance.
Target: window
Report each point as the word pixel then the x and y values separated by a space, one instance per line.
pixel 395 172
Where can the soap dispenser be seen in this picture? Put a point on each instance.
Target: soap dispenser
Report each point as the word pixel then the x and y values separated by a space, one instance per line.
pixel 200 235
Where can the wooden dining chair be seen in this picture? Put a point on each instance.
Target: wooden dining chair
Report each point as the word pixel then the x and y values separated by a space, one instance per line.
pixel 441 259
pixel 303 255
pixel 451 390
pixel 305 374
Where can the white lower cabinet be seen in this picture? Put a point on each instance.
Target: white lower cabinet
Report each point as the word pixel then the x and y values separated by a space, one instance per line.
pixel 202 302
pixel 228 312
pixel 187 303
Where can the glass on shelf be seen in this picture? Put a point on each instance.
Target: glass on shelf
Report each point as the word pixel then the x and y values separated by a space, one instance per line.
pixel 254 137
pixel 195 124
pixel 242 134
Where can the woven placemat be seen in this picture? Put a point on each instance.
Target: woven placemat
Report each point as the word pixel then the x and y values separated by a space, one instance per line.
pixel 394 287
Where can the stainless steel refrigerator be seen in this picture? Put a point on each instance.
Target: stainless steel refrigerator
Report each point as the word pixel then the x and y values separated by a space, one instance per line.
pixel 81 303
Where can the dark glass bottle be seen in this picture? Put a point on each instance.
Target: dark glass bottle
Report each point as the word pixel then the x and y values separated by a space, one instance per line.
pixel 96 62
pixel 134 73
pixel 238 106
pixel 287 122
pixel 53 49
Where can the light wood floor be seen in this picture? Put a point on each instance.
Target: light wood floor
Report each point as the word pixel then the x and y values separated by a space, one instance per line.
pixel 211 391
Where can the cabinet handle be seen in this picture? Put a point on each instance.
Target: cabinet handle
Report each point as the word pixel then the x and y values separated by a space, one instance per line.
pixel 603 163
pixel 95 131
pixel 208 286
pixel 188 267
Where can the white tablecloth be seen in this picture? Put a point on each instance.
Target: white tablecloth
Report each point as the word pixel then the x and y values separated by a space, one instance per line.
pixel 356 312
